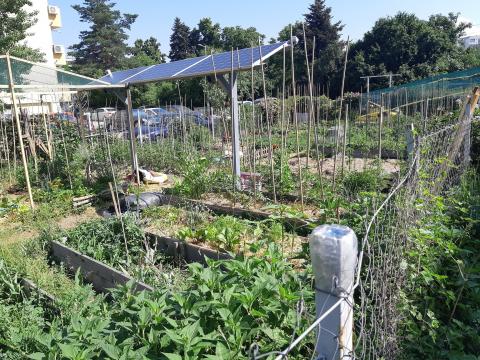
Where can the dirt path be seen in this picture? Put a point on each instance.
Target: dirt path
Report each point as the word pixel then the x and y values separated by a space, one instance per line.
pixel 389 166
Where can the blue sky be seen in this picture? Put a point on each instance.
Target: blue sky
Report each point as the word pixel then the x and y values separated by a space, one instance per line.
pixel 268 16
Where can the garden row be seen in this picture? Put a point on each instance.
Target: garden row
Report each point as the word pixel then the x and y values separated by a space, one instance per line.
pixel 192 311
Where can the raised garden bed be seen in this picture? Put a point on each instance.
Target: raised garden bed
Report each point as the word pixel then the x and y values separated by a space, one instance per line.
pixel 147 199
pixel 101 276
pixel 192 233
pixel 183 251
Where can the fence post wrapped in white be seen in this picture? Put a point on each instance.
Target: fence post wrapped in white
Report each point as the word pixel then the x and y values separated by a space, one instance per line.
pixel 333 250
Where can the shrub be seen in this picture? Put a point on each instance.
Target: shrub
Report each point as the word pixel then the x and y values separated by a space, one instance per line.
pixel 357 181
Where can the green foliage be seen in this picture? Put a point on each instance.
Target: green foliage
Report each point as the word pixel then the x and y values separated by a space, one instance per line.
pixel 149 50
pixel 103 239
pixel 21 318
pixel 475 146
pixel 51 204
pixel 225 308
pixel 122 245
pixel 236 37
pixel 355 182
pixel 328 47
pixel 16 19
pixel 214 94
pixel 205 37
pixel 409 46
pixel 29 259
pixel 8 206
pixel 198 179
pixel 284 179
pixel 225 232
pixel 199 136
pixel 441 298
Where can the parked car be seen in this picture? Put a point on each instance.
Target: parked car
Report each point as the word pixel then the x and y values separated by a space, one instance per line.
pixel 151 116
pixel 151 132
pixel 103 114
pixel 195 117
pixel 65 116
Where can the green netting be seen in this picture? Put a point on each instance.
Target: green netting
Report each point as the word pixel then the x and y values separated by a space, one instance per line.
pixel 438 85
pixel 34 74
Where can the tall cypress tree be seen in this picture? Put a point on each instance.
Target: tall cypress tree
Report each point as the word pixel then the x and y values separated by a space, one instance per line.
pixel 318 23
pixel 103 46
pixel 179 41
pixel 328 46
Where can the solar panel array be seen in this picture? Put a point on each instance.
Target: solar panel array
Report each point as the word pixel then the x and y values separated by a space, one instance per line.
pixel 221 63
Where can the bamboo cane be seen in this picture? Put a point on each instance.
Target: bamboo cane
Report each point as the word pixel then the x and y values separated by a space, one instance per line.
pixel 19 131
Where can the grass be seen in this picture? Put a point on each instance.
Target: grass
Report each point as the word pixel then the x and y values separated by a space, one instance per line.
pixel 29 259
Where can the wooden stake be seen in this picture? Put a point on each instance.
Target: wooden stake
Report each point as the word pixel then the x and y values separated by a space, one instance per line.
pixel 114 198
pixel 66 154
pixel 380 126
pixel 253 132
pixel 345 129
pixel 310 110
pixel 269 130
pixel 340 110
pixel 19 131
pixel 295 115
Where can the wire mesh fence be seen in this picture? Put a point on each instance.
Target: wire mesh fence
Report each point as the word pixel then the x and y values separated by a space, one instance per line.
pixel 438 155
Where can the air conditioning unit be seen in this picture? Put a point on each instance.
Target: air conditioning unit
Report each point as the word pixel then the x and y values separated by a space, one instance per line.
pixel 52 10
pixel 58 49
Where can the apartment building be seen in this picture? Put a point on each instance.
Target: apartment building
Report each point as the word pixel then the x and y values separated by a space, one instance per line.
pixel 470 41
pixel 41 34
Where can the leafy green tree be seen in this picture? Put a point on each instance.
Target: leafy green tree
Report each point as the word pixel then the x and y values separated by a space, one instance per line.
pixel 412 47
pixel 180 41
pixel 15 21
pixel 144 53
pixel 103 46
pixel 149 48
pixel 237 37
pixel 318 24
pixel 205 37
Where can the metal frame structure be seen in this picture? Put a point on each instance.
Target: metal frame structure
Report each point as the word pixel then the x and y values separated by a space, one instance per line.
pixel 119 83
pixel 11 87
pixel 217 65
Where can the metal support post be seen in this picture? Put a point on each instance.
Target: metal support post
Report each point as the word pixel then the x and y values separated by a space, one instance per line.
pixel 333 249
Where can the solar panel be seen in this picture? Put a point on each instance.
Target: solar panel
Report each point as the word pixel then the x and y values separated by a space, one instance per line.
pixel 117 76
pixel 242 60
pixel 164 71
pixel 198 66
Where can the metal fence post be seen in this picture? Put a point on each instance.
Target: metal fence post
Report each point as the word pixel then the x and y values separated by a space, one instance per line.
pixel 333 250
